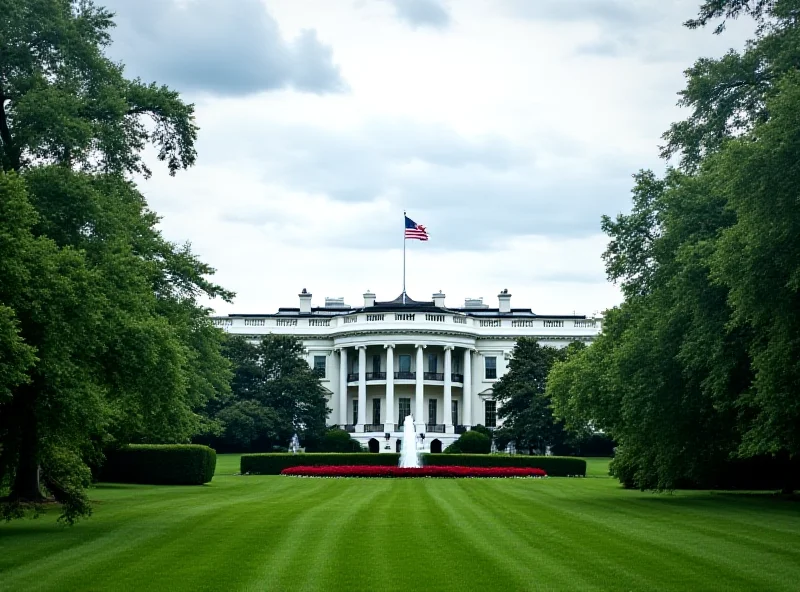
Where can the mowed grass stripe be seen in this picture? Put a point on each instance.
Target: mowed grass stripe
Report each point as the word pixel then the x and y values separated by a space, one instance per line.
pixel 668 541
pixel 280 533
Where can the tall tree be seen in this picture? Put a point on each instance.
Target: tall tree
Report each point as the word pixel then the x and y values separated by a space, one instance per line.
pixel 523 407
pixel 101 313
pixel 274 394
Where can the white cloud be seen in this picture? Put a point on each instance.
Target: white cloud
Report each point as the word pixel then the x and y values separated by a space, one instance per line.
pixel 506 134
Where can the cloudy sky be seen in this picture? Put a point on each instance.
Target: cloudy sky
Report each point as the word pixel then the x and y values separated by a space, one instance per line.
pixel 506 127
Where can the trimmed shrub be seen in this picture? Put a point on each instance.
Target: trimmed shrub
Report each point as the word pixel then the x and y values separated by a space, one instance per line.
pixel 470 442
pixel 156 464
pixel 555 466
pixel 340 441
pixel 273 464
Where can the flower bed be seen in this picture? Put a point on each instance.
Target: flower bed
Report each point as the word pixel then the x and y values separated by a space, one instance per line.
pixel 431 471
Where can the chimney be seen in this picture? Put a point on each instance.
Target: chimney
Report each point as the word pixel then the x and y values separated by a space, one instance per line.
pixel 369 299
pixel 505 301
pixel 305 302
pixel 438 300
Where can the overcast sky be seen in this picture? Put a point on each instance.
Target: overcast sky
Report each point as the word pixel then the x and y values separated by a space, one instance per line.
pixel 506 127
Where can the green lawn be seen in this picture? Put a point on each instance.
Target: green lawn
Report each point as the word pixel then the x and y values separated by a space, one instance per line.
pixel 283 533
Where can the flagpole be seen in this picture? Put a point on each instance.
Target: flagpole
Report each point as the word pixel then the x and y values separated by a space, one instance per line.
pixel 404 256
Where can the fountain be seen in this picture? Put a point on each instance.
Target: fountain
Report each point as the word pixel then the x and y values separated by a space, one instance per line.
pixel 294 445
pixel 409 457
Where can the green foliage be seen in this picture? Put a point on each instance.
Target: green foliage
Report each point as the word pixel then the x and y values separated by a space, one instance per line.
pixel 102 337
pixel 273 464
pixel 337 440
pixel 275 394
pixel 470 442
pixel 697 370
pixel 66 103
pixel 520 393
pixel 187 464
pixel 554 466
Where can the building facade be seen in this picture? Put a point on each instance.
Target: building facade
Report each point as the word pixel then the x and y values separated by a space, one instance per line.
pixel 385 360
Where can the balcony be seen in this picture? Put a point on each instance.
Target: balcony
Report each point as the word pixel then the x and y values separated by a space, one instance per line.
pixel 405 375
pixel 461 429
pixel 349 428
pixel 373 427
pixel 457 377
pixel 376 376
pixel 436 428
pixel 433 376
pixel 352 377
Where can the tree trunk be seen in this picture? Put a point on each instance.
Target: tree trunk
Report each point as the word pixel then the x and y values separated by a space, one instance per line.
pixel 26 485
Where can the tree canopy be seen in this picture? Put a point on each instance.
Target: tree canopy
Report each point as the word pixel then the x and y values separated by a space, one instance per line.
pixel 523 407
pixel 274 394
pixel 103 340
pixel 698 366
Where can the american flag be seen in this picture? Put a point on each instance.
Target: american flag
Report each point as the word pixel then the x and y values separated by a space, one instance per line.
pixel 414 230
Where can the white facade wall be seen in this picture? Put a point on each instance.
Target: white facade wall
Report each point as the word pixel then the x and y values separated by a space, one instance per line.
pixel 386 330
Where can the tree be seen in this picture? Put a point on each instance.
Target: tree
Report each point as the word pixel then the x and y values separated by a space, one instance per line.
pixel 110 337
pixel 697 368
pixel 520 393
pixel 64 102
pixel 275 394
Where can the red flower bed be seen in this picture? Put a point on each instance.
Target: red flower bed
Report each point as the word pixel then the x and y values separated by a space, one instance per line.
pixel 431 471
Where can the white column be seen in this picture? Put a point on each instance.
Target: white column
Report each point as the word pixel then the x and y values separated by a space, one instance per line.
pixel 448 389
pixel 362 388
pixel 419 412
pixel 466 398
pixel 343 386
pixel 389 425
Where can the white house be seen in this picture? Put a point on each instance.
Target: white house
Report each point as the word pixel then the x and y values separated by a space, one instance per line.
pixel 384 360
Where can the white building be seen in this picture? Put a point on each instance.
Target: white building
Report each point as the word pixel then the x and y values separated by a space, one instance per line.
pixel 385 360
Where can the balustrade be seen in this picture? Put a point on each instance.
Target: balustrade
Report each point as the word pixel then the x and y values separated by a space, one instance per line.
pixel 521 323
pixel 348 320
pixel 433 376
pixel 553 323
pixel 255 322
pixel 374 317
pixel 376 376
pixel 434 318
pixel 490 323
pixel 404 316
pixel 286 322
pixel 319 322
pixel 460 320
pixel 585 324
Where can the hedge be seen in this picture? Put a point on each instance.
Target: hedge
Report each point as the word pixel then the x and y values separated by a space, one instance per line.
pixel 555 466
pixel 156 464
pixel 273 464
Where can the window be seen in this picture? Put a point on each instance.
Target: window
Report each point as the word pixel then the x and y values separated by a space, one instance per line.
pixel 432 411
pixel 491 414
pixel 376 365
pixel 319 366
pixel 376 411
pixel 456 365
pixel 404 363
pixel 355 411
pixel 432 363
pixel 455 412
pixel 491 367
pixel 405 408
pixel 354 366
